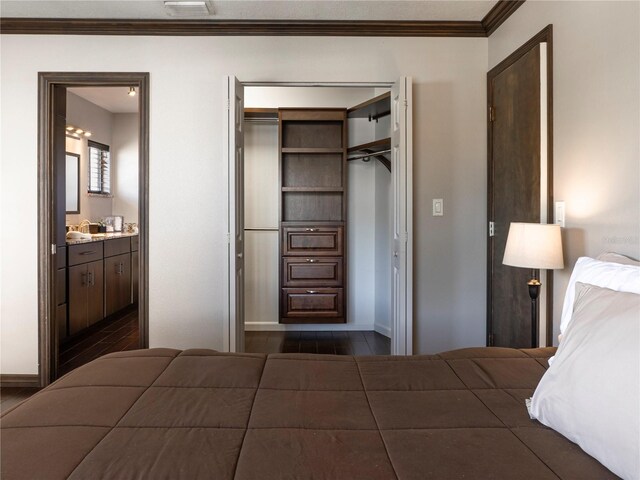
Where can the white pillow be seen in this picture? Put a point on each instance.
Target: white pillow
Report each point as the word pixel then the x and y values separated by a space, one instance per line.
pixel 615 276
pixel 591 393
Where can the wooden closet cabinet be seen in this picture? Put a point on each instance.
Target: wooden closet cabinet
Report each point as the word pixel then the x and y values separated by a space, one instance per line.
pixel 86 295
pixel 313 215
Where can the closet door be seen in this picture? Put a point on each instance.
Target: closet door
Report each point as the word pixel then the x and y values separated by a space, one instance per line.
pixel 402 194
pixel 235 158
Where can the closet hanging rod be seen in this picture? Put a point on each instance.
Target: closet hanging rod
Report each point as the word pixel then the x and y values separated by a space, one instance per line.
pixel 367 155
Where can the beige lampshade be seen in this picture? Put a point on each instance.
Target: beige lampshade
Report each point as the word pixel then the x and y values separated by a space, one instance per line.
pixel 534 245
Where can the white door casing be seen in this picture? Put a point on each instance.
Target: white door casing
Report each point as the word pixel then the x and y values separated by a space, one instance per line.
pixel 402 215
pixel 234 126
pixel 402 218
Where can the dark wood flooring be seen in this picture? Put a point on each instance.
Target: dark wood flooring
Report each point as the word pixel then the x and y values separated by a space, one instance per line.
pixel 115 336
pixel 335 343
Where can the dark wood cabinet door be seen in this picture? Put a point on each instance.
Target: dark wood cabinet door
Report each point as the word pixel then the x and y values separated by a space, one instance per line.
pixel 77 311
pixel 117 283
pixel 95 292
pixel 135 273
pixel 61 321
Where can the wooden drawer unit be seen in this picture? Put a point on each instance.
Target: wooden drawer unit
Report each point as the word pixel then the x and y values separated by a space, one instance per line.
pixel 312 271
pixel 85 253
pixel 305 305
pixel 117 246
pixel 312 241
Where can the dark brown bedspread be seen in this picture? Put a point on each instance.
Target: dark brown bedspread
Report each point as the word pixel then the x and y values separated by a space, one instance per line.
pixel 161 413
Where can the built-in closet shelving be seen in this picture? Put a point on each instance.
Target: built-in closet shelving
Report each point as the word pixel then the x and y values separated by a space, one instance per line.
pixel 373 110
pixel 313 211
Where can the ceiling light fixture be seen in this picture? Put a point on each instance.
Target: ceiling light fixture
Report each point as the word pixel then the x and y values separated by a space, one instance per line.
pixel 132 92
pixel 76 132
pixel 184 8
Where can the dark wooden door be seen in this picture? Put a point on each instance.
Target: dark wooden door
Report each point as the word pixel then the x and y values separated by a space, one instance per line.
pixel 95 292
pixel 118 283
pixel 514 192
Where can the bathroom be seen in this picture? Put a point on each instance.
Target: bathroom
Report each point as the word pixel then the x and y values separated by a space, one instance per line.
pixel 97 311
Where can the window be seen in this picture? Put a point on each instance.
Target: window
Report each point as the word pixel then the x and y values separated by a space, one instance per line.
pixel 99 168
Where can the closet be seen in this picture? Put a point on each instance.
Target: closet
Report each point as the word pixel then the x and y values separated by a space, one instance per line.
pixel 327 242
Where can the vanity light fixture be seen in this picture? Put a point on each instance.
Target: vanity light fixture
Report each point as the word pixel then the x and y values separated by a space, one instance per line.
pixel 76 132
pixel 132 92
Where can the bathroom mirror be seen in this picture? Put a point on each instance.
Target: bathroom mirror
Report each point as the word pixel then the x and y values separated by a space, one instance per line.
pixel 72 176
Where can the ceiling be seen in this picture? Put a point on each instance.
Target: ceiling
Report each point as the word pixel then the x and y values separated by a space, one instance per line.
pixel 112 99
pixel 417 10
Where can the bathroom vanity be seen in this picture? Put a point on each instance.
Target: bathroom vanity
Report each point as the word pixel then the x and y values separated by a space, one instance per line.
pixel 98 280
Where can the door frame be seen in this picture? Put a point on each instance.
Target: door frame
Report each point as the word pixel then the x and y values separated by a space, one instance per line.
pixel 47 336
pixel 230 327
pixel 544 36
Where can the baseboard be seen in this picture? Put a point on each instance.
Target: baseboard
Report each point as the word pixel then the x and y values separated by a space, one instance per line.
pixel 303 327
pixel 19 380
pixel 382 329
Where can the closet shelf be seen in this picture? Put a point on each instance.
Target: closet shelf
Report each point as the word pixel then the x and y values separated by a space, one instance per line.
pixel 371 147
pixel 373 109
pixel 261 114
pixel 312 189
pixel 313 150
pixel 379 149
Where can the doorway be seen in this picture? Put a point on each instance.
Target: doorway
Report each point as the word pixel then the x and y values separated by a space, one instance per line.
pixel 520 186
pixel 258 238
pixel 93 217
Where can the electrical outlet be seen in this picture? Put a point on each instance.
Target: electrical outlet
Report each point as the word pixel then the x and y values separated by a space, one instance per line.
pixel 560 209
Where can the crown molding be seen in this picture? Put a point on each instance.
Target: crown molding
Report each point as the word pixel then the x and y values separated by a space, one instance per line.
pixel 85 26
pixel 327 28
pixel 498 14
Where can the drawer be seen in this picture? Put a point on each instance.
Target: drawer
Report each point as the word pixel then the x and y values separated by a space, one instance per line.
pixel 316 302
pixel 117 246
pixel 85 252
pixel 312 271
pixel 134 243
pixel 311 241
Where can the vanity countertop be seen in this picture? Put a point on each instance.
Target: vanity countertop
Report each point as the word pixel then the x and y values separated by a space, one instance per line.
pixel 99 237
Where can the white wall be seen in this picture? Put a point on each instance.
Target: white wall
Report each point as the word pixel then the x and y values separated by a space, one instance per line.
pixel 88 116
pixel 124 164
pixel 188 189
pixel 596 120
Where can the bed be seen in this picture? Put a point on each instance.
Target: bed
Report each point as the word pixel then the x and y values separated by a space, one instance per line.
pixel 163 413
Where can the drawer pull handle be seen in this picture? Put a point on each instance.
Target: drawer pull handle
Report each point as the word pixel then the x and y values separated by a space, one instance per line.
pixel 90 252
pixel 311 229
pixel 312 291
pixel 311 260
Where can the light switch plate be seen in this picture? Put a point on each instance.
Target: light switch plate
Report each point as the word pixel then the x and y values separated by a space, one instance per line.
pixel 438 207
pixel 559 220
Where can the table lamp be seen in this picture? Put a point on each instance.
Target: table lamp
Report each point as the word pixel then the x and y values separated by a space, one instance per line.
pixel 535 246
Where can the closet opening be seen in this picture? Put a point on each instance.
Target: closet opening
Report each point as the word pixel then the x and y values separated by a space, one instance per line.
pixel 314 259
